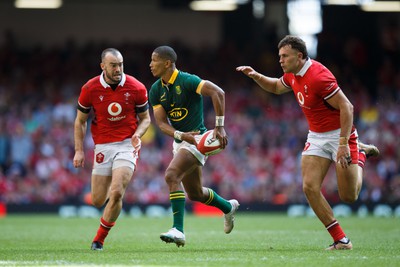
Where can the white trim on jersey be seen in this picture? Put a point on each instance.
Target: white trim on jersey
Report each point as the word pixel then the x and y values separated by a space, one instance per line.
pixel 284 84
pixel 82 106
pixel 304 69
pixel 331 94
pixel 105 85
pixel 142 105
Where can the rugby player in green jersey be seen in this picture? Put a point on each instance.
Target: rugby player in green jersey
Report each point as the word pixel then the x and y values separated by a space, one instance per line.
pixel 177 101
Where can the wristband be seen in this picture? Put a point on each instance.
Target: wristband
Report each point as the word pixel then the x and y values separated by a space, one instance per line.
pixel 219 120
pixel 178 135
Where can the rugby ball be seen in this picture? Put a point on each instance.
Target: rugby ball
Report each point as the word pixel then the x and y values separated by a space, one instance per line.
pixel 208 145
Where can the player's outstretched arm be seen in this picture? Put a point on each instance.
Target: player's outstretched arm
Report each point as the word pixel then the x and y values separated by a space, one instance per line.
pixel 271 85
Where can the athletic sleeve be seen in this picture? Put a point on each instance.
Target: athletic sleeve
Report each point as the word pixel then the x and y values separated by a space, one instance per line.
pixel 84 101
pixel 327 84
pixel 153 96
pixel 285 80
pixel 142 99
pixel 192 82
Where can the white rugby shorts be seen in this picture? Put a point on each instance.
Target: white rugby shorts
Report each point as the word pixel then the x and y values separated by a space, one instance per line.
pixel 191 148
pixel 326 145
pixel 110 156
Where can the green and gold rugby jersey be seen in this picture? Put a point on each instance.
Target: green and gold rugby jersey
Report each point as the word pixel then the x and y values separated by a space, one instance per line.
pixel 181 100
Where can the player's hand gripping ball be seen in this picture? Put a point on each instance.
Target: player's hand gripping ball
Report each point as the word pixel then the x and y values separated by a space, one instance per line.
pixel 208 145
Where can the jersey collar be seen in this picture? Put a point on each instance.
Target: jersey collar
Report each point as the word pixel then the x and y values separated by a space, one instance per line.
pixel 304 69
pixel 172 79
pixel 105 84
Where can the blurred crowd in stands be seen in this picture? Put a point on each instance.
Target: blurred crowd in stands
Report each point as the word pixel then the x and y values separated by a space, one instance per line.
pixel 39 87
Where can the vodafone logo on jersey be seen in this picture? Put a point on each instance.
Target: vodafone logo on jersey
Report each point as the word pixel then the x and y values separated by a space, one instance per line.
pixel 300 97
pixel 114 109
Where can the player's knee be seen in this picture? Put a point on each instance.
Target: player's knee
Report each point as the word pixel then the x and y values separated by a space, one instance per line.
pixel 171 176
pixel 98 202
pixel 116 195
pixel 310 190
pixel 348 198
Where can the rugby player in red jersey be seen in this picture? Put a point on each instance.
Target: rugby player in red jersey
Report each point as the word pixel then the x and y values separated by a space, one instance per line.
pixel 121 117
pixel 332 136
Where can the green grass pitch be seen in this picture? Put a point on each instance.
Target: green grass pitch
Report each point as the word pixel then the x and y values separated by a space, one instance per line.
pixel 262 239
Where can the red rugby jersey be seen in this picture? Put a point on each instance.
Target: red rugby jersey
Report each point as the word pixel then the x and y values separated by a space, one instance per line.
pixel 312 86
pixel 115 111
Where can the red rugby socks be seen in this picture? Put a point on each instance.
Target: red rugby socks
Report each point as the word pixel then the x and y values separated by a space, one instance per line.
pixel 103 230
pixel 335 231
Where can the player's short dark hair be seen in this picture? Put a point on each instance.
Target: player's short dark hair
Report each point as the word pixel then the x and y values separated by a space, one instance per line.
pixel 166 52
pixel 295 43
pixel 113 51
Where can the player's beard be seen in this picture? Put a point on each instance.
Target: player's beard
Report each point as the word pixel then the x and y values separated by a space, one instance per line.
pixel 112 77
